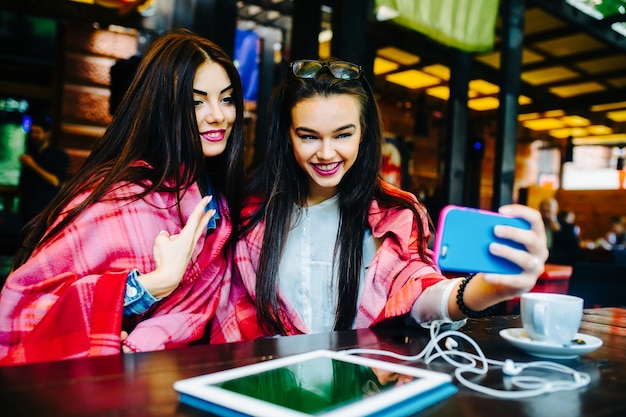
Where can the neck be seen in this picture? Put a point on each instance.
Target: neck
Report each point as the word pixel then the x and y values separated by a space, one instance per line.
pixel 319 194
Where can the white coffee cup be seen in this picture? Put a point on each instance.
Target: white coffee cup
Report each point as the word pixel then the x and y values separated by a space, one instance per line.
pixel 553 318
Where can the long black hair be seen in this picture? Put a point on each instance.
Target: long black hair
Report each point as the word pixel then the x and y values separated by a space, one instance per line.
pixel 154 123
pixel 282 183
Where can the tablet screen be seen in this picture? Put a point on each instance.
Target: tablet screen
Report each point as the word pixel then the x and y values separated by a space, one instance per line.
pixel 317 385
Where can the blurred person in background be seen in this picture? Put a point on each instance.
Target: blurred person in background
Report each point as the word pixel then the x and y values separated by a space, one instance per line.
pixel 44 167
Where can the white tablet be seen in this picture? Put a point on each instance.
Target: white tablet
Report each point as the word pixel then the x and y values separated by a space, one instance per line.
pixel 318 383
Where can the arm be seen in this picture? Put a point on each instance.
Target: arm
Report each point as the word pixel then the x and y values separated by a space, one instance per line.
pixel 107 238
pixel 49 177
pixel 181 317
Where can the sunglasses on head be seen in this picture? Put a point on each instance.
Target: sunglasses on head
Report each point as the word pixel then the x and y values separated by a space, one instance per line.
pixel 308 68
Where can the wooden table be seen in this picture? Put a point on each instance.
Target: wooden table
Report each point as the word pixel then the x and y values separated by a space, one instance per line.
pixel 141 384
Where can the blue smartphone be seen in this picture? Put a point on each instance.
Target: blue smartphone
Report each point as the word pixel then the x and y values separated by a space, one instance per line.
pixel 463 238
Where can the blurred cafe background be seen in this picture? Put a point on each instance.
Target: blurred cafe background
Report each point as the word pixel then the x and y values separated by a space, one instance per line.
pixel 484 102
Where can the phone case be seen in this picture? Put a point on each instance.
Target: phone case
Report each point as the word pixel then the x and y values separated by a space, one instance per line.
pixel 463 238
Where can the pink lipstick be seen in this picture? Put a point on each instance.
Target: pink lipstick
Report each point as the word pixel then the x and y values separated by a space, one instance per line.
pixel 213 135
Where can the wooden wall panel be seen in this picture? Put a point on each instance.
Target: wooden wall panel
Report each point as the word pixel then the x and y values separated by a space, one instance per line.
pixel 90 53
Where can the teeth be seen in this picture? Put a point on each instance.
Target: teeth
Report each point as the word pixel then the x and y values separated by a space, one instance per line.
pixel 327 167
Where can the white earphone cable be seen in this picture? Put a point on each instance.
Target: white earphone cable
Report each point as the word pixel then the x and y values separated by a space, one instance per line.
pixel 478 364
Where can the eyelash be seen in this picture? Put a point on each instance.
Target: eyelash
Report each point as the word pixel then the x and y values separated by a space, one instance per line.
pixel 340 136
pixel 228 100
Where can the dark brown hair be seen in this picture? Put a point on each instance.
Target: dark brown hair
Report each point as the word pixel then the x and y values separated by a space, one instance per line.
pixel 155 123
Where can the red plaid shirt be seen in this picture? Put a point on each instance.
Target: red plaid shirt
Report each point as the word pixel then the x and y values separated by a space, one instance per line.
pixel 395 278
pixel 67 299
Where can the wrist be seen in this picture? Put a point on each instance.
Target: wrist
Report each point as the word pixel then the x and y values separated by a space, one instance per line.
pixel 467 304
pixel 156 284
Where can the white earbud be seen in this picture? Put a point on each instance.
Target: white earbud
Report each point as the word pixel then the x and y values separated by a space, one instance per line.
pixel 510 369
pixel 451 344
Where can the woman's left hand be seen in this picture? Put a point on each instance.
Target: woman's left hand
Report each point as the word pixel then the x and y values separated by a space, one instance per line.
pixel 532 260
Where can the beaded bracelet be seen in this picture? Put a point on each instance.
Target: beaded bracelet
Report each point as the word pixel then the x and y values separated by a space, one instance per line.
pixel 465 309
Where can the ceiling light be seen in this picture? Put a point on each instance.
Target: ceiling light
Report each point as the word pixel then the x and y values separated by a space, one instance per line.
pixel 484 87
pixel 398 55
pixel 438 70
pixel 612 64
pixel 382 66
pixel 483 103
pixel 619 27
pixel 528 116
pixel 544 124
pixel 600 140
pixel 442 92
pixel 599 130
pixel 524 100
pixel 554 113
pixel 386 13
pixel 577 89
pixel 413 79
pixel 567 132
pixel 617 116
pixel 576 121
pixel 548 75
pixel 325 36
pixel 609 106
pixel 569 45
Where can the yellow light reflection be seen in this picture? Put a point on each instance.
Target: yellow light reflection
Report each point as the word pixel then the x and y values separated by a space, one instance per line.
pixel 413 79
pixel 599 130
pixel 554 113
pixel 484 87
pixel 441 92
pixel 398 55
pixel 483 103
pixel 438 70
pixel 544 124
pixel 609 106
pixel 382 66
pixel 566 132
pixel 527 116
pixel 576 121
pixel 617 116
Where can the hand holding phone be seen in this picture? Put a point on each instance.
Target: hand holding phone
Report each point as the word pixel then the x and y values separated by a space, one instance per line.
pixel 463 238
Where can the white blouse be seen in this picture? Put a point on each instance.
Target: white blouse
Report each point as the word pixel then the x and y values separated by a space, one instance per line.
pixel 307 275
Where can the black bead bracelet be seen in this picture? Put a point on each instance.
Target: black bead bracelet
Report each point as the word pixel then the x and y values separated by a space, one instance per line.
pixel 465 309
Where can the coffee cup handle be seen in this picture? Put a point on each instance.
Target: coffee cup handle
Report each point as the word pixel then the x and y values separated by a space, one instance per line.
pixel 539 319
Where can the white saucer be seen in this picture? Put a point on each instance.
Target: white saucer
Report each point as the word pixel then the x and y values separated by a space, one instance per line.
pixel 518 337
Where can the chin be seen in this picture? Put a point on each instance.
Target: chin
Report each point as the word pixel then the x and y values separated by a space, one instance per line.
pixel 213 149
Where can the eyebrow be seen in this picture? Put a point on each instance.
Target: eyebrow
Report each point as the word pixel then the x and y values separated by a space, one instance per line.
pixel 204 93
pixel 339 129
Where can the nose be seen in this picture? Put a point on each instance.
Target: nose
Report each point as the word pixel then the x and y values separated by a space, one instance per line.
pixel 326 150
pixel 214 114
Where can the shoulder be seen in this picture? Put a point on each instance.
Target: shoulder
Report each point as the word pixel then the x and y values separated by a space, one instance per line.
pixel 394 191
pixel 387 215
pixel 394 202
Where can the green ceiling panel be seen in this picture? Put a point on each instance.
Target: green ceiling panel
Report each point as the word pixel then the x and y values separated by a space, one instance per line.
pixel 468 25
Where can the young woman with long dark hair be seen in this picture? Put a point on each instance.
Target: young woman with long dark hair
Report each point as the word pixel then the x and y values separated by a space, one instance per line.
pixel 327 245
pixel 133 253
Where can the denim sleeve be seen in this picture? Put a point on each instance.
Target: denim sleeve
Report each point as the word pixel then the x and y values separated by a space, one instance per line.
pixel 137 299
